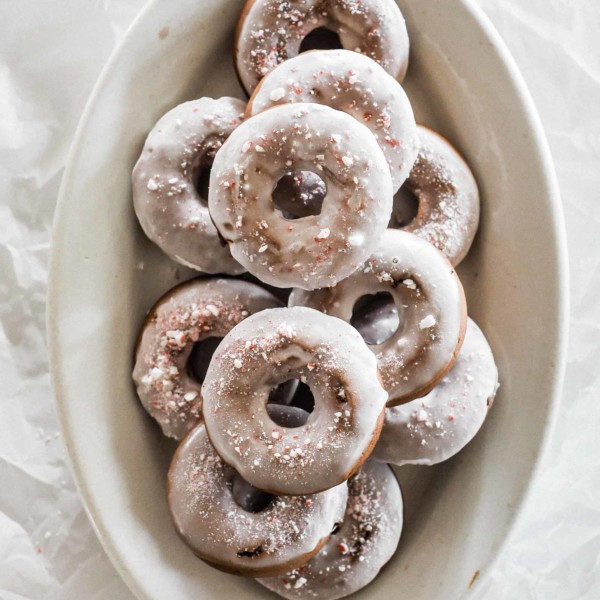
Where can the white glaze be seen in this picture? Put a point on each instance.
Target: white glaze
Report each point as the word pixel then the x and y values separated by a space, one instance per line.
pixel 271 31
pixel 287 532
pixel 448 196
pixel 165 198
pixel 354 84
pixel 366 541
pixel 431 307
pixel 431 429
pixel 324 352
pixel 189 313
pixel 315 251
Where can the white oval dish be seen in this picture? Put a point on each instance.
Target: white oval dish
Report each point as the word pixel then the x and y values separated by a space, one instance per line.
pixel 105 275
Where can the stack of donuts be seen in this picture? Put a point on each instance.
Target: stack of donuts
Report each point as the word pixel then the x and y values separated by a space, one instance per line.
pixel 327 336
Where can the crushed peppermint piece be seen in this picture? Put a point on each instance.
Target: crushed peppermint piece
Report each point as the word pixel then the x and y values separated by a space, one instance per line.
pixel 152 185
pixel 348 160
pixel 156 374
pixel 277 94
pixel 324 233
pixel 410 284
pixel 237 363
pixel 300 582
pixel 356 239
pixel 427 322
pixel 422 416
pixel 211 308
pixel 259 148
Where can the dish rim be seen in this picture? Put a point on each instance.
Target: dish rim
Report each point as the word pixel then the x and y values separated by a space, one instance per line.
pixel 540 142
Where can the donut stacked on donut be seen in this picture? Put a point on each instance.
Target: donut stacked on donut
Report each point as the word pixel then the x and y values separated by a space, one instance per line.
pixel 258 492
pixel 271 31
pixel 166 180
pixel 266 537
pixel 176 344
pixel 354 84
pixel 321 193
pixel 318 250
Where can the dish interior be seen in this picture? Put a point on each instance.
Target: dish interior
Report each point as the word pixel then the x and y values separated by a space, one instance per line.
pixel 106 275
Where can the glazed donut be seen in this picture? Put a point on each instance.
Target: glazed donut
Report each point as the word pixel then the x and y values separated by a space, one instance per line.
pixel 271 31
pixel 356 552
pixel 266 536
pixel 200 310
pixel 447 195
pixel 293 343
pixel 318 250
pixel 429 300
pixel 353 84
pixel 165 179
pixel 431 429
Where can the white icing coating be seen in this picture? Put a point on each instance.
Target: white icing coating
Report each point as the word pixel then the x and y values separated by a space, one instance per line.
pixel 271 31
pixel 317 250
pixel 448 196
pixel 166 201
pixel 354 84
pixel 187 314
pixel 431 429
pixel 354 555
pixel 431 307
pixel 287 532
pixel 327 354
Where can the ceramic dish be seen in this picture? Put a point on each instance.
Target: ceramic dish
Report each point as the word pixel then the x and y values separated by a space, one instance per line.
pixel 105 275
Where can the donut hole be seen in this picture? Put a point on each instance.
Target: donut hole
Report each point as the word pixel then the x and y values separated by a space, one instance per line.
pixel 405 208
pixel 290 410
pixel 200 357
pixel 375 317
pixel 299 194
pixel 321 38
pixel 304 398
pixel 284 392
pixel 201 183
pixel 248 497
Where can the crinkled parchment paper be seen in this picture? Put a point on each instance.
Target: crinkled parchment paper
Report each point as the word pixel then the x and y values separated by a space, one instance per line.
pixel 51 52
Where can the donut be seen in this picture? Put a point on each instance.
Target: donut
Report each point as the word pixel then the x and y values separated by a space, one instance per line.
pixel 430 304
pixel 318 250
pixel 447 196
pixel 354 84
pixel 355 553
pixel 271 31
pixel 237 528
pixel 431 429
pixel 180 333
pixel 167 176
pixel 328 355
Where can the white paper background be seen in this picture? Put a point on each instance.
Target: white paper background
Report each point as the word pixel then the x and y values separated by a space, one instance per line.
pixel 51 52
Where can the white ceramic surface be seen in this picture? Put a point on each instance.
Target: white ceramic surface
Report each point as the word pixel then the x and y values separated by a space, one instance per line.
pixel 105 275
